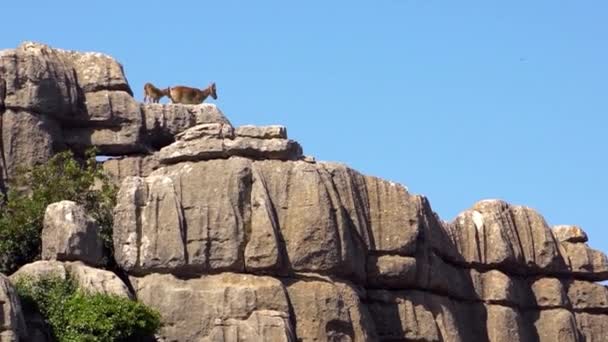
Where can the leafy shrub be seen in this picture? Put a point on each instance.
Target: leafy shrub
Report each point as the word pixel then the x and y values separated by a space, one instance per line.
pixel 61 178
pixel 74 315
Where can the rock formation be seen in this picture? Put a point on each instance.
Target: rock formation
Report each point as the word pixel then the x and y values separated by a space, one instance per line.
pixel 234 235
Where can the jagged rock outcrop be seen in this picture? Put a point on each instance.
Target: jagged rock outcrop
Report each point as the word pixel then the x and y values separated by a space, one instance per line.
pixel 54 99
pixel 233 235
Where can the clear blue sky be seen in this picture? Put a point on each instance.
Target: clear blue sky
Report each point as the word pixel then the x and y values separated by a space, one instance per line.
pixel 458 100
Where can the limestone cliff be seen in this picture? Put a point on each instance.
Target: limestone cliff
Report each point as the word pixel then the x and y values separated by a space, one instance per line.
pixel 234 235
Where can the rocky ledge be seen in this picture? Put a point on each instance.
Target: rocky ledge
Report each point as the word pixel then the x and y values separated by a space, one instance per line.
pixel 233 235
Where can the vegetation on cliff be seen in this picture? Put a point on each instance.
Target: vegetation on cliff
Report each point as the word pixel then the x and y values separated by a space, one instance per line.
pixel 61 178
pixel 74 315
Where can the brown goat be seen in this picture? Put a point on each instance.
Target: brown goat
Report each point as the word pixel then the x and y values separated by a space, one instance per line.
pixel 153 94
pixel 187 95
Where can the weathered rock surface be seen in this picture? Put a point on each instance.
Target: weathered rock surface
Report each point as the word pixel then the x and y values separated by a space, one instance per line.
pixel 326 311
pixel 39 80
pixel 512 238
pixel 164 122
pixel 70 234
pixel 27 139
pixel 262 132
pixel 214 141
pixel 225 307
pixel 12 323
pixel 584 261
pixel 123 167
pixel 565 233
pixel 96 71
pixel 88 278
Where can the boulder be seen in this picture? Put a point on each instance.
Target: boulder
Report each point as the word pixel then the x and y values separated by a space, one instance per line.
pixel 512 238
pixel 223 307
pixel 68 234
pixel 89 279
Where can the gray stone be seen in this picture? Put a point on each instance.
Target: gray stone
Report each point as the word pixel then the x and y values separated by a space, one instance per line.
pixel 224 307
pixel 557 325
pixel 567 233
pixel 585 295
pixel 120 168
pixel 39 81
pixel 164 122
pixel 206 148
pixel 494 233
pixel 96 71
pixel 28 140
pixel 87 278
pixel 213 130
pixel 391 271
pixel 108 141
pixel 585 261
pixel 262 253
pixel 326 311
pixel 70 234
pixel 111 109
pixel 262 132
pixel 548 293
pixel 149 233
pixel 317 234
pixel 395 217
pixel 593 327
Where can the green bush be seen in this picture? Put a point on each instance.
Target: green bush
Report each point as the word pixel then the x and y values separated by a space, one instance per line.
pixel 61 178
pixel 74 315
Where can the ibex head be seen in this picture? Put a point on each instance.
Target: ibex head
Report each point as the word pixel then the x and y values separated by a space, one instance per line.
pixel 213 91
